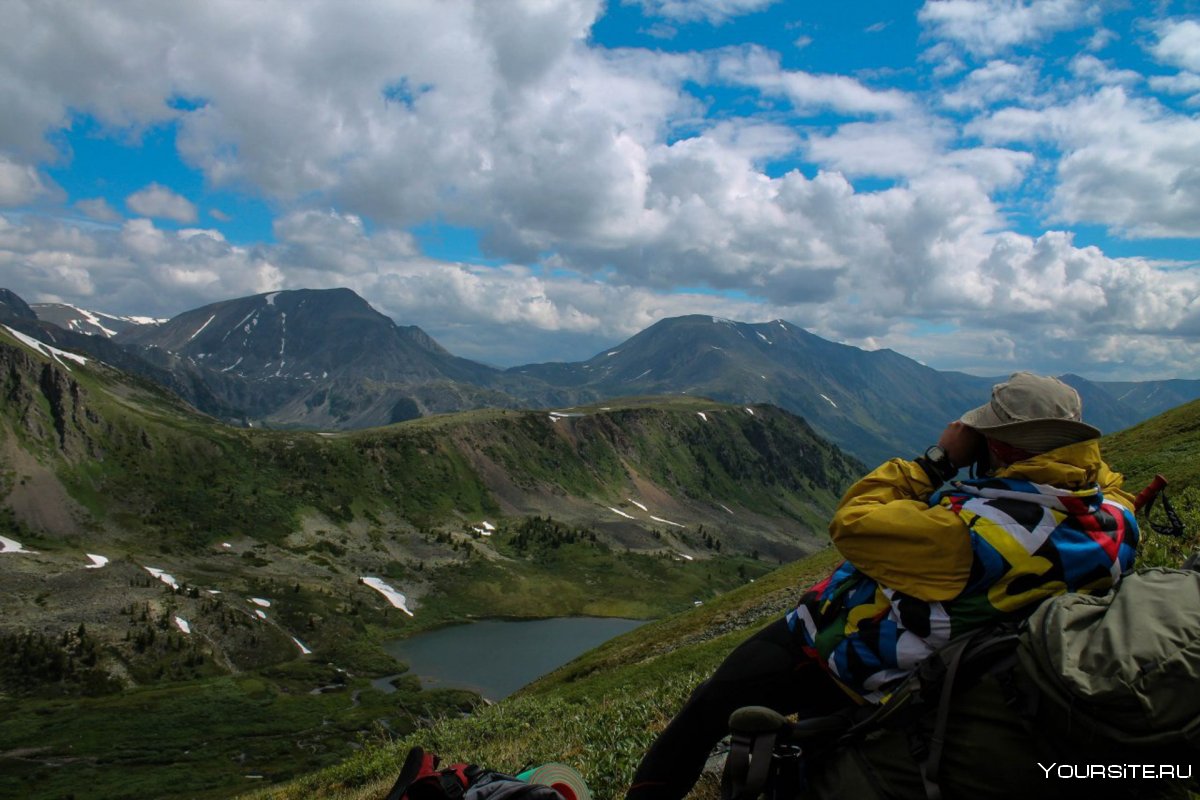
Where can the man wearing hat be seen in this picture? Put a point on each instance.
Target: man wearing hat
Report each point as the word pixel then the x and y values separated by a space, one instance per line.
pixel 928 558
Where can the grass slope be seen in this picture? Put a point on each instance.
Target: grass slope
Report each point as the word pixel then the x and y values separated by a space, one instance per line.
pixel 1168 444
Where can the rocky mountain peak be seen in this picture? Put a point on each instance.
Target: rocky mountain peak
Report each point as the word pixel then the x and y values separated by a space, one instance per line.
pixel 13 307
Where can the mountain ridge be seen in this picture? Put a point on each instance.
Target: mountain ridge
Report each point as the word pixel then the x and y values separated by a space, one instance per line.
pixel 343 365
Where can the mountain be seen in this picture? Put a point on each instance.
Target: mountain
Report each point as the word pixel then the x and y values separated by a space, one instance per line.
pixel 13 307
pixel 1150 398
pixel 876 404
pixel 95 323
pixel 317 359
pixel 1100 407
pixel 199 387
pixel 114 463
pixel 151 465
pixel 327 360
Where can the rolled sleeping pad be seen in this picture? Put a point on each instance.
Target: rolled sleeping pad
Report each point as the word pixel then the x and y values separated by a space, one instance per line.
pixel 559 777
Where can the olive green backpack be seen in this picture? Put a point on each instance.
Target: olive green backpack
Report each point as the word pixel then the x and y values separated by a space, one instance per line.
pixel 1124 667
pixel 1092 697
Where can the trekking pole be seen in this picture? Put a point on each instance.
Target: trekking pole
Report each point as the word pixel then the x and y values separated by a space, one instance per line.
pixel 1147 495
pixel 1145 500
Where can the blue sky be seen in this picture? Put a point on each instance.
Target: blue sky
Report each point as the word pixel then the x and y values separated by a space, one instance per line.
pixel 983 185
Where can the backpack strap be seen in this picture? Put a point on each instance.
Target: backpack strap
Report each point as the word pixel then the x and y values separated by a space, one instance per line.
pixel 931 766
pixel 940 673
pixel 455 779
pixel 752 745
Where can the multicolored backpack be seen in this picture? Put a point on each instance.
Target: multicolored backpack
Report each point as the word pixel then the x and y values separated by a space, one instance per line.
pixel 420 779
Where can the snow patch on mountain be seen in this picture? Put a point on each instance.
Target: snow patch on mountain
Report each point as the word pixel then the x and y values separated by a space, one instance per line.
pixel 45 349
pixel 163 576
pixel 394 597
pixel 97 561
pixel 12 546
pixel 202 327
pixel 91 319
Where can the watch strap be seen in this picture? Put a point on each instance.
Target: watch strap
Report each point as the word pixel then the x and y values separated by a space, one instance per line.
pixel 937 465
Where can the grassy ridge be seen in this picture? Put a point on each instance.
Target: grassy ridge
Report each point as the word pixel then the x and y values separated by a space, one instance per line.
pixel 142 463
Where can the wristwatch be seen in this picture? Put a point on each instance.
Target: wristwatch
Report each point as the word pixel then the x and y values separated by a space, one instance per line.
pixel 937 465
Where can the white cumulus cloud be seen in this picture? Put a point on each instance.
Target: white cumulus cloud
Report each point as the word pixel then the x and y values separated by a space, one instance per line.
pixel 1126 162
pixel 988 27
pixel 1179 44
pixel 713 11
pixel 21 184
pixel 756 66
pixel 161 203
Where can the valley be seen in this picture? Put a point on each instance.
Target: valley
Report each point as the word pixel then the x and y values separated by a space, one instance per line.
pixel 164 570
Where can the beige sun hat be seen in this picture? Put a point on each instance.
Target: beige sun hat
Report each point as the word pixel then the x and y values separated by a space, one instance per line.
pixel 1033 412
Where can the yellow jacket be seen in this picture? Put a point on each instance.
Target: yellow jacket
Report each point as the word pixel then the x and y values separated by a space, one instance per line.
pixel 886 528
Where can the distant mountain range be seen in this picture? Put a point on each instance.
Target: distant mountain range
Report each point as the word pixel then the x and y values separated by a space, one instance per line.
pixel 325 359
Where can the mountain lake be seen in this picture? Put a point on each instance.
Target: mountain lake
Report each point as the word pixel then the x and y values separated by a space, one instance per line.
pixel 498 657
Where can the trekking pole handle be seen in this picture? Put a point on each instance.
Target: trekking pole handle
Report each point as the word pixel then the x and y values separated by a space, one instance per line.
pixel 1151 491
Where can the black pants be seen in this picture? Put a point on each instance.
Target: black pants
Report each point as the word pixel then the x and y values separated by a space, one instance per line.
pixel 768 669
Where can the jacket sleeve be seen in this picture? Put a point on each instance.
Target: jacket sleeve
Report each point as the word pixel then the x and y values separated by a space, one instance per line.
pixel 1110 486
pixel 885 527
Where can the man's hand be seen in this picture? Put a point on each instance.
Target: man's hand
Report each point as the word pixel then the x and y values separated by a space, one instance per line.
pixel 961 443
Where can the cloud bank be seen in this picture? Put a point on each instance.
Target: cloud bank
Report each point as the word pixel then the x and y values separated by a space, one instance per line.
pixel 609 188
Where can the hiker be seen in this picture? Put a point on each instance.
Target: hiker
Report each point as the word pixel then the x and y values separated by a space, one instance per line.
pixel 927 558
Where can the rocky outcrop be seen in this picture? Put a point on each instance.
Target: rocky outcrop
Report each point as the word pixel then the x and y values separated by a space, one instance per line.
pixel 47 404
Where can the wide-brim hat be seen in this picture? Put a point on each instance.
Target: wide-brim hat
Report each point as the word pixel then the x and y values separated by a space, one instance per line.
pixel 1033 412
